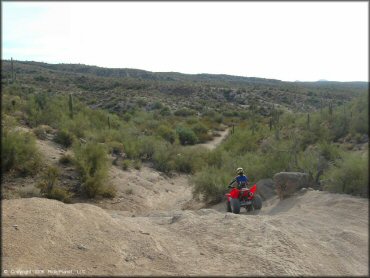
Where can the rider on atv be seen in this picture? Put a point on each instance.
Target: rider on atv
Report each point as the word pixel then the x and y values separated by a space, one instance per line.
pixel 241 180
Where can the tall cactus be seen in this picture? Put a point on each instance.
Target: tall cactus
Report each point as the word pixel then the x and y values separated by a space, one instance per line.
pixel 330 108
pixel 70 104
pixel 308 120
pixel 108 122
pixel 12 65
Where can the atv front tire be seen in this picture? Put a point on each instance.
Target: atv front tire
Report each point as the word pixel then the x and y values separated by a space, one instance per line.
pixel 235 205
pixel 257 202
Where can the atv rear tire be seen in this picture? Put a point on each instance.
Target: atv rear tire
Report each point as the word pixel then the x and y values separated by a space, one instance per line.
pixel 235 205
pixel 257 202
pixel 228 206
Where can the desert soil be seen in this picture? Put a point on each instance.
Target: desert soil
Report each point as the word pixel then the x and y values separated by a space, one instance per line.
pixel 153 227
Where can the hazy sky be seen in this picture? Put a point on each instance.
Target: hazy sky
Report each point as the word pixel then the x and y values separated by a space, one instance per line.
pixel 290 41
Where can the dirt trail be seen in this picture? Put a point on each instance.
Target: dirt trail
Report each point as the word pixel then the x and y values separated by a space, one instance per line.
pixel 313 233
pixel 216 140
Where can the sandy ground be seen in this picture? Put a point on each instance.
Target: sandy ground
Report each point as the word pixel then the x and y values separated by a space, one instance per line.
pixel 312 233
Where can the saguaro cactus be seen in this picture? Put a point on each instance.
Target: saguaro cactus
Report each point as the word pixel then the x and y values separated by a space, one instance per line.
pixel 108 122
pixel 330 108
pixel 70 104
pixel 12 65
pixel 308 120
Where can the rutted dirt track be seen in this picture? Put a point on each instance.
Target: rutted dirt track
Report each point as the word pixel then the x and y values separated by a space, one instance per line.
pixel 313 233
pixel 148 229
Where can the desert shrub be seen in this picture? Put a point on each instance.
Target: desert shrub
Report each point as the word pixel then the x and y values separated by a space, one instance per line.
pixel 108 192
pixel 59 193
pixel 132 148
pixel 348 175
pixel 201 131
pixel 19 153
pixel 81 123
pixel 165 111
pixel 167 133
pixel 157 105
pixel 189 160
pixel 359 115
pixel 66 159
pixel 115 148
pixel 50 178
pixel 242 141
pixel 147 146
pixel 184 112
pixel 210 183
pixel 40 132
pixel 329 151
pixel 50 188
pixel 163 158
pixel 64 138
pixel 186 136
pixel 217 158
pixel 126 164
pixel 92 163
pixel 137 164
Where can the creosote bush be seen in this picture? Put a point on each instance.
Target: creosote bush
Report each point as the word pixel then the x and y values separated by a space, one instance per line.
pixel 92 163
pixel 50 188
pixel 349 175
pixel 19 153
pixel 64 138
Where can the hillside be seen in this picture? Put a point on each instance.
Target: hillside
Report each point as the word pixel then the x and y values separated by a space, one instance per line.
pixel 119 90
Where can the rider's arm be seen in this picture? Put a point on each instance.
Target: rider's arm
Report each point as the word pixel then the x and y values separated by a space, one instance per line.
pixel 234 180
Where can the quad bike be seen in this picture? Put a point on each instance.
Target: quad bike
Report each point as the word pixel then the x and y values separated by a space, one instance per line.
pixel 243 197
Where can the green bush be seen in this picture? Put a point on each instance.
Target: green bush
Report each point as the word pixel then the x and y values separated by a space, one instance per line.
pixel 49 186
pixel 19 153
pixel 116 148
pixel 186 136
pixel 64 138
pixel 59 193
pixel 126 164
pixel 201 131
pixel 167 133
pixel 137 164
pixel 165 111
pixel 132 148
pixel 163 158
pixel 92 163
pixel 349 175
pixel 66 159
pixel 210 183
pixel 329 151
pixel 189 160
pixel 147 146
pixel 184 112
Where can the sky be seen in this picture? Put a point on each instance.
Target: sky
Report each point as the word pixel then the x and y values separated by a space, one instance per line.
pixel 305 41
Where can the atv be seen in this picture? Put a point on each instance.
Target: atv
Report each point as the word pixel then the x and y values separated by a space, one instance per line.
pixel 243 197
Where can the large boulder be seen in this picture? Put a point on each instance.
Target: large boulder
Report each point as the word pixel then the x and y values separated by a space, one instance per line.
pixel 287 183
pixel 266 188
